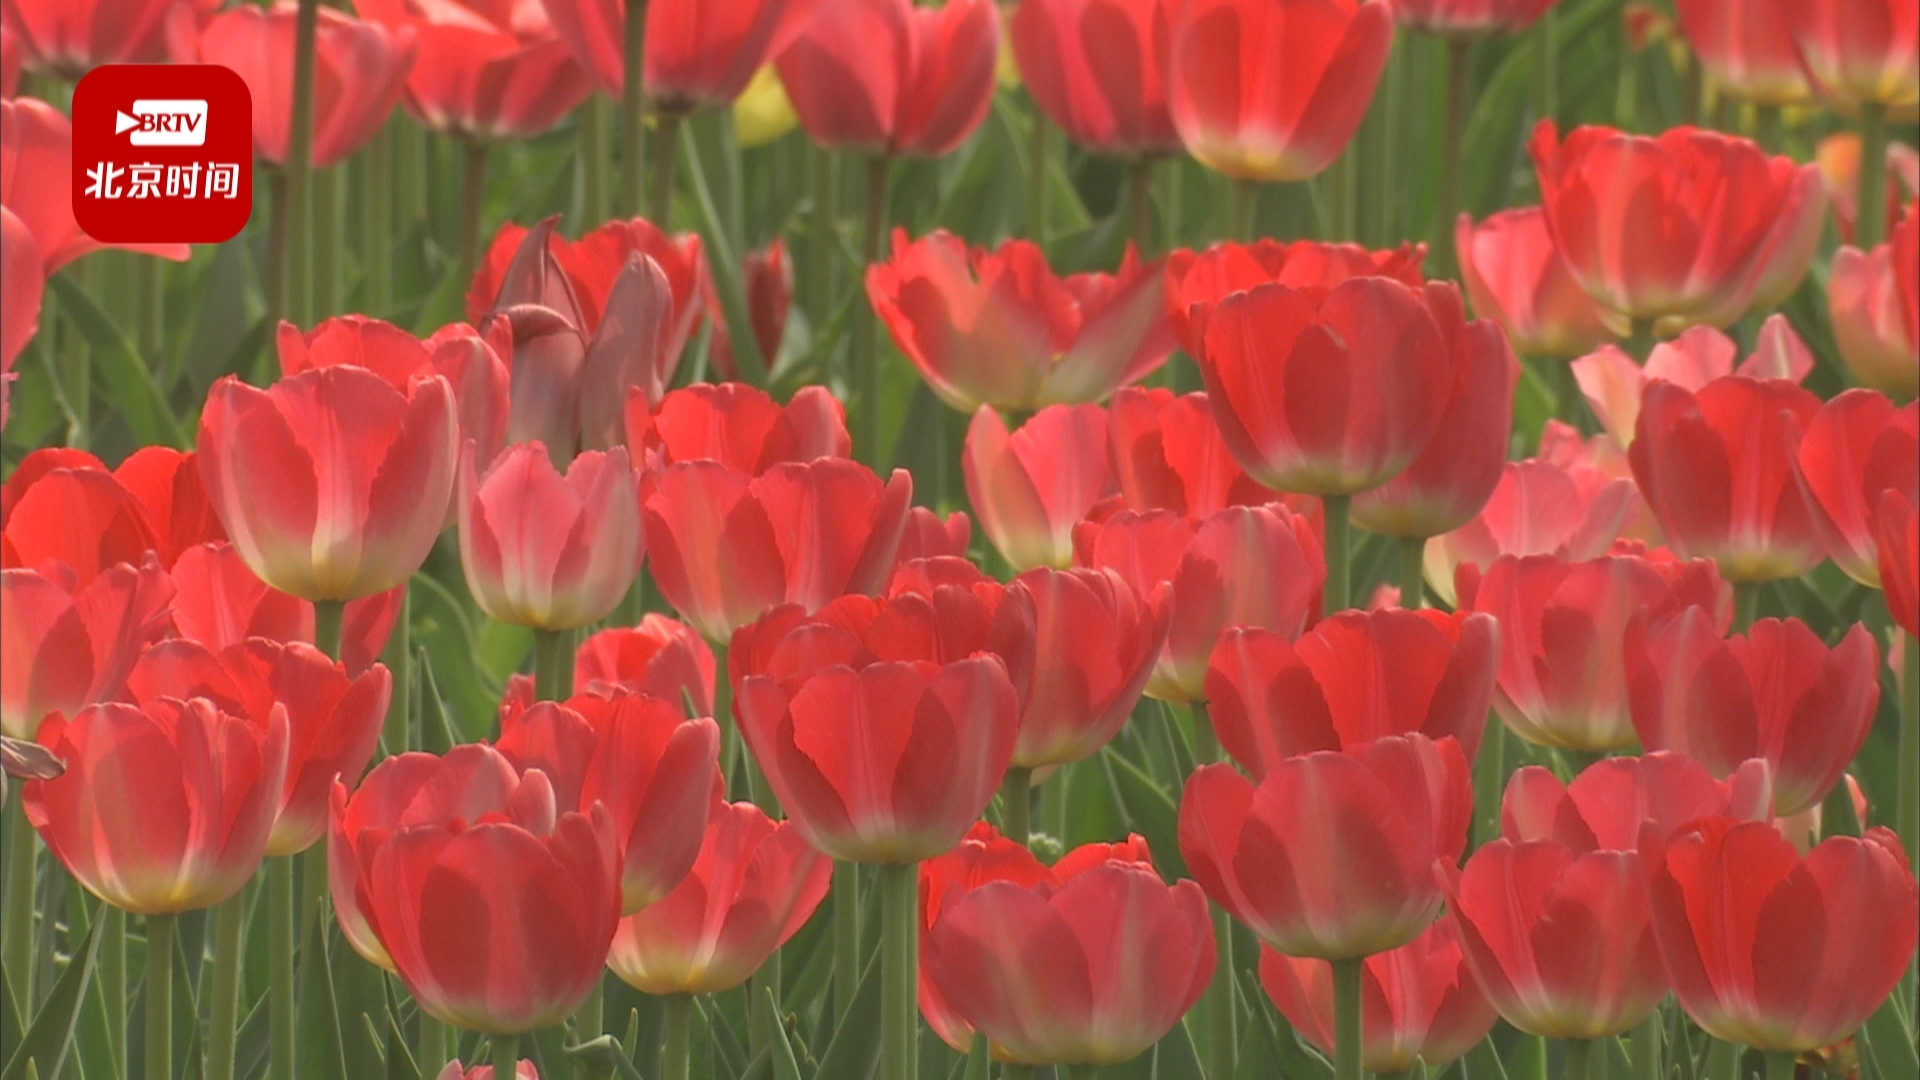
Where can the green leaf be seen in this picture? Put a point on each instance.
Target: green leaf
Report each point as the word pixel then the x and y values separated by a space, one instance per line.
pixel 317 1044
pixel 854 1052
pixel 784 1065
pixel 1888 1038
pixel 723 263
pixel 605 1058
pixel 44 1050
pixel 118 370
pixel 1483 1062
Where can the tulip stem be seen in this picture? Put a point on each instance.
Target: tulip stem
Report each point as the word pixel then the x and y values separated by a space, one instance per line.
pixel 398 734
pixel 1907 804
pixel 1459 72
pixel 16 955
pixel 821 242
pixel 329 616
pixel 506 1056
pixel 1640 340
pixel 595 140
pixel 1580 1058
pixel 229 925
pixel 432 1050
pixel 1746 605
pixel 279 228
pixel 1413 569
pixel 1206 744
pixel 326 242
pixel 1645 1049
pixel 1243 209
pixel 633 112
pixel 113 980
pixel 473 204
pixel 676 1036
pixel 280 966
pixel 1016 804
pixel 846 937
pixel 899 978
pixel 159 980
pixel 1338 557
pixel 1140 204
pixel 1723 1060
pixel 1346 1019
pixel 552 665
pixel 660 194
pixel 1870 209
pixel 590 1019
pixel 865 373
pixel 299 252
pixel 1040 150
pixel 1222 1041
pixel 1546 61
pixel 1489 779
pixel 376 223
pixel 1780 1064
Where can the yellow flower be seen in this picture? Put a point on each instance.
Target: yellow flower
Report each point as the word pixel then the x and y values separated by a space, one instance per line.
pixel 762 112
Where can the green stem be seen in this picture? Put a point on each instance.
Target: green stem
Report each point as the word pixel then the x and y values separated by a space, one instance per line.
pixel 1015 1071
pixel 1580 1054
pixel 1546 59
pixel 1039 154
pixel 1413 570
pixel 633 111
pixel 1016 804
pixel 1566 391
pixel 280 943
pixel 398 733
pixel 1489 780
pixel 822 241
pixel 1640 340
pixel 229 925
pixel 473 204
pixel 1766 128
pixel 595 146
pixel 1870 215
pixel 329 616
pixel 865 374
pixel 590 1019
pixel 279 235
pixel 1222 1040
pixel 1458 73
pixel 552 665
pixel 1907 804
pixel 665 146
pixel 159 979
pixel 300 168
pixel 1342 180
pixel 326 242
pixel 431 1051
pixel 677 1043
pixel 113 980
pixel 376 223
pixel 1645 1050
pixel 16 954
pixel 846 938
pixel 899 959
pixel 1206 744
pixel 1243 209
pixel 1723 1060
pixel 1338 529
pixel 1780 1064
pixel 1346 1020
pixel 410 171
pixel 76 371
pixel 1140 204
pixel 506 1056
pixel 1746 605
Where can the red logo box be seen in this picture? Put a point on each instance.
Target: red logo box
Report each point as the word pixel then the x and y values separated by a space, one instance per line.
pixel 162 153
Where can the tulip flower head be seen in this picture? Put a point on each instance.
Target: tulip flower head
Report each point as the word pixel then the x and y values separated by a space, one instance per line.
pixel 1097 68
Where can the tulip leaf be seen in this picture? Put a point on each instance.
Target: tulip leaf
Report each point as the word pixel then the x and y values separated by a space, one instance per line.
pixel 1888 1039
pixel 1150 811
pixel 605 1057
pixel 723 265
pixel 854 1052
pixel 1483 1062
pixel 318 1047
pixel 51 1034
pixel 785 1067
pixel 119 371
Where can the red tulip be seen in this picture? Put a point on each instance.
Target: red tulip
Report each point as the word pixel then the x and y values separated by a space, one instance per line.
pixel 1355 677
pixel 484 71
pixel 1098 68
pixel 524 1070
pixel 332 721
pixel 1516 277
pixel 1860 51
pixel 1095 643
pixel 651 768
pixel 1274 89
pixel 927 536
pixel 1000 328
pixel 332 484
pixel 1419 1002
pixel 1717 468
pixel 1614 384
pixel 767 279
pixel 9 61
pixel 738 426
pixel 1872 301
pixel 168 486
pixel 981 857
pixel 476 365
pixel 720 560
pixel 1612 803
pixel 220 603
pixel 1030 488
pixel 1470 18
pixel 22 281
pixel 660 658
pixel 360 69
pixel 886 77
pixel 1894 533
pixel 64 645
pixel 1210 276
pixel 1244 566
pixel 1456 471
pixel 1331 855
pixel 1565 631
pixel 882 761
pixel 1326 393
pixel 1168 455
pixel 1775 950
pixel 517 271
pixel 755 884
pixel 1747 49
pixel 81 517
pixel 66 38
pixel 1777 692
pixel 36 172
pixel 164 807
pixel 1857 446
pixel 546 550
pixel 1730 218
pixel 1906 266
pixel 698 55
pixel 1035 968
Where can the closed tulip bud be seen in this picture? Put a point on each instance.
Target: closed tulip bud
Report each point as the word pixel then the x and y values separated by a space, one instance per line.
pixel 1326 393
pixel 129 819
pixel 755 884
pixel 1736 907
pixel 1096 641
pixel 1894 534
pixel 1000 328
pixel 360 70
pixel 1872 302
pixel 337 516
pixel 1034 970
pixel 698 56
pixel 434 854
pixel 1469 18
pixel 1420 1002
pixel 1030 488
pixel 1168 455
pixel 1859 53
pixel 71 645
pixel 1274 89
pixel 332 720
pixel 1516 277
pixel 1717 469
pixel 1857 446
pixel 660 658
pixel 1273 699
pixel 1097 68
pixel 1331 855
pixel 1244 566
pixel 737 425
pixel 1778 692
pixel 886 77
pixel 767 279
pixel 1566 628
pixel 484 71
pixel 1747 48
pixel 1204 278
